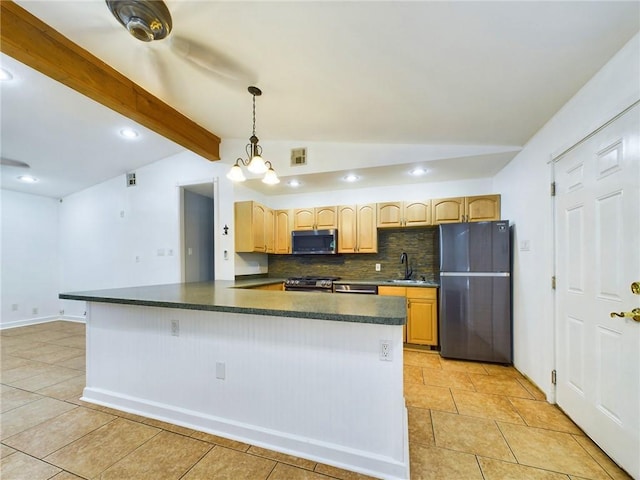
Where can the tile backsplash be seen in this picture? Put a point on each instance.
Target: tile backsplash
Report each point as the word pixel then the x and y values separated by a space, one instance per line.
pixel 421 245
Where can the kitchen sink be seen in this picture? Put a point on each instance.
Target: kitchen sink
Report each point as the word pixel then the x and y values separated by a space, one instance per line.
pixel 409 282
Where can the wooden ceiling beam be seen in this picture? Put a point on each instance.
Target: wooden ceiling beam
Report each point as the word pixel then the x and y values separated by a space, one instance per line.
pixel 34 43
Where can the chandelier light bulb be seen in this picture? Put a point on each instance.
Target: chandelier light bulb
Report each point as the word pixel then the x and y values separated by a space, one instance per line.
pixel 257 165
pixel 271 178
pixel 235 174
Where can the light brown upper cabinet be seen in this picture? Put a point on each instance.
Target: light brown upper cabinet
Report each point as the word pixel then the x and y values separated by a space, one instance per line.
pixel 357 229
pixel 447 210
pixel 480 208
pixel 269 230
pixel 283 231
pixel 404 214
pixel 315 218
pixel 254 227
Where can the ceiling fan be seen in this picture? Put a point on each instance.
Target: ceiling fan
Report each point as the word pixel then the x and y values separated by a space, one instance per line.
pixel 150 21
pixel 13 163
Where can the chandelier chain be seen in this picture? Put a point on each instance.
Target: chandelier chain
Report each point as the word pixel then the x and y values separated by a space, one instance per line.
pixel 254 115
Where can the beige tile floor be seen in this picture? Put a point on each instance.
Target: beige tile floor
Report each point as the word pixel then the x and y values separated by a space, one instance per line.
pixel 466 421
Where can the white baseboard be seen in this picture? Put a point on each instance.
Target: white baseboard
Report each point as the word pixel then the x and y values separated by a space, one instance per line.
pixel 73 318
pixel 39 320
pixel 28 321
pixel 330 454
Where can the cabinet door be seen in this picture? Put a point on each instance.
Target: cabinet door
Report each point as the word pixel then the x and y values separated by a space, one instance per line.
pixel 326 217
pixel 269 230
pixel 422 316
pixel 283 231
pixel 482 208
pixel 447 210
pixel 417 214
pixel 243 219
pixel 347 228
pixel 367 233
pixel 304 218
pixel 258 226
pixel 389 215
pixel 395 292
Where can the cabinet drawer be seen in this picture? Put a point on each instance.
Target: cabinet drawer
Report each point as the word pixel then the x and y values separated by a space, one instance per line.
pixel 422 292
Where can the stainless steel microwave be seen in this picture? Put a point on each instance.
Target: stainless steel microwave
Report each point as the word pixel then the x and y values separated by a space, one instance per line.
pixel 314 242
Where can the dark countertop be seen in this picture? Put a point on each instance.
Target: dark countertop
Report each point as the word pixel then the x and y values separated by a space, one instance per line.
pixel 238 297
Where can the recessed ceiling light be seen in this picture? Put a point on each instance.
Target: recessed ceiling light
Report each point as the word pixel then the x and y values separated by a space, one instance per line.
pixel 351 178
pixel 294 183
pixel 27 179
pixel 129 133
pixel 416 172
pixel 5 75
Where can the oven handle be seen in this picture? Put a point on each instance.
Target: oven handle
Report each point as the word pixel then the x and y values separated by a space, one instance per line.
pixel 306 289
pixel 363 290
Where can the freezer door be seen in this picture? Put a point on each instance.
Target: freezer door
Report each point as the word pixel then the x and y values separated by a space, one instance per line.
pixel 475 318
pixel 475 247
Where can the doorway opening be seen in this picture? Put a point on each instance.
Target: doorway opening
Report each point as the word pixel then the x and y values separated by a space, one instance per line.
pixel 198 240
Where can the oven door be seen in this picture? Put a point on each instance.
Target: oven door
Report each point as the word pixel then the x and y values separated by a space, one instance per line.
pixel 293 288
pixel 358 289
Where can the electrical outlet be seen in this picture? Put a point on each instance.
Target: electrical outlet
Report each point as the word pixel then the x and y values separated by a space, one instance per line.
pixel 377 267
pixel 385 351
pixel 175 328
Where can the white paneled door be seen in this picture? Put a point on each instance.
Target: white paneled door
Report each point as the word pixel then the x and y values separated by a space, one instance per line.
pixel 597 259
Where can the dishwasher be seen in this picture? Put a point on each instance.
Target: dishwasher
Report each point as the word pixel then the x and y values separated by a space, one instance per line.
pixel 355 288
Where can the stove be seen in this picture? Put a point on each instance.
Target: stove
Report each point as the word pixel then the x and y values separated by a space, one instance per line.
pixel 310 284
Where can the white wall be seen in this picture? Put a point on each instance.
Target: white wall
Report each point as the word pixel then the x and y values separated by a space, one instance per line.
pixel 417 191
pixel 329 155
pixel 29 259
pixel 112 235
pixel 524 184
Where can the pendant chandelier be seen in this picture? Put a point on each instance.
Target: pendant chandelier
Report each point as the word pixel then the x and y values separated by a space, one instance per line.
pixel 254 162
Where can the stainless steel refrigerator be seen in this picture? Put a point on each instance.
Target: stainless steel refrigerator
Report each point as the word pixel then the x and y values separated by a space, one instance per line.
pixel 475 291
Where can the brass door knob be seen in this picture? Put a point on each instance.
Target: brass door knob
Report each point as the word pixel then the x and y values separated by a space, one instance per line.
pixel 634 314
pixel 635 288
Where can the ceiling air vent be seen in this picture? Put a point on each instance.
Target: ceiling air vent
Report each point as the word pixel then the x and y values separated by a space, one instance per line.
pixel 131 179
pixel 298 157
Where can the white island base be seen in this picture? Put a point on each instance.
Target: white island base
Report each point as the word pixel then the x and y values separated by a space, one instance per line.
pixel 316 389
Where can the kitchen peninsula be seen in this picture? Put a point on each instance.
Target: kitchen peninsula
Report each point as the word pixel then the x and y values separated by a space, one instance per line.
pixel 300 373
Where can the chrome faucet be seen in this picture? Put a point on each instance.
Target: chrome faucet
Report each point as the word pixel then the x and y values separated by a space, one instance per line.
pixel 404 258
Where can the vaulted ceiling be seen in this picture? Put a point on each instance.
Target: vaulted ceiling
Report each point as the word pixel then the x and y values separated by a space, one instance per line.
pixel 435 73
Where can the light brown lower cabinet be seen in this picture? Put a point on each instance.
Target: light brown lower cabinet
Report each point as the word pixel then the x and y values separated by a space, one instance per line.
pixel 396 292
pixel 422 313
